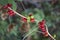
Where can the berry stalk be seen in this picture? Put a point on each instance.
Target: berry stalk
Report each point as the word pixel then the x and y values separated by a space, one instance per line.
pixel 17 13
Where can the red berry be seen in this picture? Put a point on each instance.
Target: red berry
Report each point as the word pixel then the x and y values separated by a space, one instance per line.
pixel 43 21
pixel 46 34
pixel 11 13
pixel 32 20
pixel 6 6
pixel 30 14
pixel 24 19
pixel 42 24
pixel 9 5
pixel 42 27
pixel 43 30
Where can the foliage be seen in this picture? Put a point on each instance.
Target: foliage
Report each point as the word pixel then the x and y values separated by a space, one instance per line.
pixel 18 32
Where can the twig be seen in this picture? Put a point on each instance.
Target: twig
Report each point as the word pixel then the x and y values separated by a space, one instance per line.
pixel 39 32
pixel 49 33
pixel 17 13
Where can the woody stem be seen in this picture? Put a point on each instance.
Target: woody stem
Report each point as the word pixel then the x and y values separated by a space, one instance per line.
pixel 17 13
pixel 49 33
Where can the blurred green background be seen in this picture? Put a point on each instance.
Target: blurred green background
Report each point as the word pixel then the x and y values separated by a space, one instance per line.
pixel 41 9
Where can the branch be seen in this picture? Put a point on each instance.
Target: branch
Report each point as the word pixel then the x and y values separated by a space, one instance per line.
pixel 49 33
pixel 17 13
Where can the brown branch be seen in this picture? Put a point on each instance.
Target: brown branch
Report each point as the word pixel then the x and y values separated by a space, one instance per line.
pixel 17 13
pixel 49 33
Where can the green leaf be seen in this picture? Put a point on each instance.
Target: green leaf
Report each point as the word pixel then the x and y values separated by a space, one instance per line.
pixel 14 6
pixel 39 15
pixel 26 12
pixel 3 26
pixel 3 2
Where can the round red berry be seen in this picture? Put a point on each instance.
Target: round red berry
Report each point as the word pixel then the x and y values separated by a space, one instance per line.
pixel 30 14
pixel 46 34
pixel 24 19
pixel 6 6
pixel 42 27
pixel 32 20
pixel 43 21
pixel 11 13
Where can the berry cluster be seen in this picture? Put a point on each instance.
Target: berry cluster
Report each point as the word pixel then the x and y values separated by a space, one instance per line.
pixel 6 6
pixel 10 12
pixel 42 27
pixel 24 19
pixel 31 18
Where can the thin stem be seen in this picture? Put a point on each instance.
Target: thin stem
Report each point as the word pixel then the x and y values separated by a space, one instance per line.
pixel 17 13
pixel 39 32
pixel 49 33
